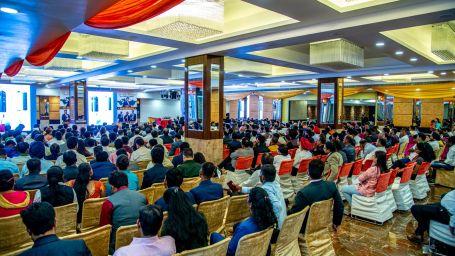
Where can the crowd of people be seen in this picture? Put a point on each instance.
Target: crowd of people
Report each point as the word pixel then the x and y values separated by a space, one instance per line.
pixel 65 165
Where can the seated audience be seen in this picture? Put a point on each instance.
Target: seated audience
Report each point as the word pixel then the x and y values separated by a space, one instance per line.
pixel 70 171
pixel 255 178
pixel 149 243
pixel 11 202
pixel 443 212
pixel 199 158
pixel 303 152
pixel 56 193
pixel 283 154
pixel 122 166
pixel 367 179
pixel 318 190
pixel 366 147
pixel 173 179
pixel 176 144
pixel 105 144
pixel 449 162
pixel 33 180
pixel 166 162
pixel 37 150
pixel 122 207
pixel 102 167
pixel 189 167
pixel 207 190
pixel 81 148
pixel 165 137
pixel 349 149
pixel 184 223
pixel 39 219
pixel 85 187
pixel 118 144
pixel 71 144
pixel 55 152
pixel 179 159
pixel 333 162
pixel 157 173
pixel 7 165
pixel 23 156
pixel 142 153
pixel 246 150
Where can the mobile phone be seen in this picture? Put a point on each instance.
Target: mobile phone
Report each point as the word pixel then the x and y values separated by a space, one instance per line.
pixel 231 186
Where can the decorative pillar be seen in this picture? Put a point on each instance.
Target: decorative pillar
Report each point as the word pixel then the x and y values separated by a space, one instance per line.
pixel 234 109
pixel 402 108
pixel 267 108
pixel 330 102
pixel 430 110
pixel 254 106
pixel 204 85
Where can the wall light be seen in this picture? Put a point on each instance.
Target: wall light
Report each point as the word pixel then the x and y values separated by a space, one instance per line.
pixel 430 72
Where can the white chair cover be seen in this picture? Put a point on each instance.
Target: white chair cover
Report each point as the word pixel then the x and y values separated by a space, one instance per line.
pixel 286 186
pixel 375 208
pixel 238 177
pixel 391 199
pixel 419 187
pixel 403 197
pixel 354 179
pixel 300 181
pixel 343 181
pixel 441 233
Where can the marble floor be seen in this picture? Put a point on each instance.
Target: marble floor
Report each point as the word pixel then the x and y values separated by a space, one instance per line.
pixel 356 237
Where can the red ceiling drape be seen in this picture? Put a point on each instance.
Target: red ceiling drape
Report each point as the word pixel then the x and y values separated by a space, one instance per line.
pixel 14 68
pixel 125 13
pixel 47 53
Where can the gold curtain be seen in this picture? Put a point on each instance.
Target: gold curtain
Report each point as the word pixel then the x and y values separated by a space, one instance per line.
pixel 236 96
pixel 426 91
pixel 280 95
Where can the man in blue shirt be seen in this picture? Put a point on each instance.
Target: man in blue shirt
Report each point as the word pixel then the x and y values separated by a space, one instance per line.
pixel 173 179
pixel 207 190
pixel 7 165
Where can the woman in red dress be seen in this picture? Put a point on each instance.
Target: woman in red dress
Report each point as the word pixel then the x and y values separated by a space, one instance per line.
pixel 11 202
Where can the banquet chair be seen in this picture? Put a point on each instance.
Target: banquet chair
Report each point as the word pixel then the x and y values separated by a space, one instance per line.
pixel 445 178
pixel 317 239
pixel 343 176
pixel 66 218
pixel 177 152
pixel 190 183
pixel 440 233
pixel 255 244
pixel 367 165
pixel 242 165
pixel 324 158
pixel 302 178
pixel 287 243
pixel 258 160
pixel 285 178
pixel 148 193
pixel 219 248
pixel 402 191
pixel 419 186
pixel 158 191
pixel 376 207
pixel 32 193
pixel 125 235
pixel 97 240
pixel 401 149
pixel 292 152
pixel 140 173
pixel 168 146
pixel 389 194
pixel 91 213
pixel 215 213
pixel 226 153
pixel 14 236
pixel 237 211
pixel 357 168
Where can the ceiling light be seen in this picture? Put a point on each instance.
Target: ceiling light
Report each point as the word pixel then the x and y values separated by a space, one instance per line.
pixel 443 73
pixel 380 44
pixel 399 53
pixel 144 76
pixel 153 66
pixel 386 74
pixel 240 75
pixel 183 61
pixel 282 82
pixel 130 71
pixel 418 89
pixel 8 10
pixel 413 59
pixel 430 72
pixel 386 90
pixel 79 57
pixel 370 89
pixel 349 77
pixel 453 88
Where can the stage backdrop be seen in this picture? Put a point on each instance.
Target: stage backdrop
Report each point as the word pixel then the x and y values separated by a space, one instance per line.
pixel 15 105
pixel 100 107
pixel 126 103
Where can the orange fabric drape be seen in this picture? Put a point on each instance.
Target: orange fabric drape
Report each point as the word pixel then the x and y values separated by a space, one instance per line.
pixel 125 13
pixel 45 54
pixel 14 68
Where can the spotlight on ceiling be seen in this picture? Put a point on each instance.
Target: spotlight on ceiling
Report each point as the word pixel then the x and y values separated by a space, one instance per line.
pixel 430 72
pixel 399 53
pixel 443 73
pixel 153 66
pixel 349 77
pixel 8 10
pixel 130 71
pixel 380 44
pixel 418 89
pixel 413 59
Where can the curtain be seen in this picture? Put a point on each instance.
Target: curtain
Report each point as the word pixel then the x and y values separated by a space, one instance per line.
pixel 125 13
pixel 280 95
pixel 236 96
pixel 427 91
pixel 45 54
pixel 14 68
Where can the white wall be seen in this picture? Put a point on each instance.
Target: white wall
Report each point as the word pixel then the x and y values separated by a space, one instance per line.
pixel 42 91
pixel 159 108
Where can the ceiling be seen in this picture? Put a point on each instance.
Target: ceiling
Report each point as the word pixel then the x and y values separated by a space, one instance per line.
pixel 267 44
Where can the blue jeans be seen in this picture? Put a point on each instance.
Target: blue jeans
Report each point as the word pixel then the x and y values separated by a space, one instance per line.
pixel 441 165
pixel 348 191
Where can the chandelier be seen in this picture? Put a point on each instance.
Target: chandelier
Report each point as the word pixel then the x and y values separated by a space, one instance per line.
pixel 103 48
pixel 336 54
pixel 64 64
pixel 189 21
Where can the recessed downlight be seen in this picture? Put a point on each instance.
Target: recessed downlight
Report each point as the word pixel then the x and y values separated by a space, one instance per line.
pixel 399 53
pixel 380 44
pixel 130 71
pixel 8 10
pixel 413 59
pixel 443 73
pixel 153 66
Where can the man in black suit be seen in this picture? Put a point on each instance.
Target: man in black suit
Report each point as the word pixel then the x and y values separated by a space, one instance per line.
pixel 120 117
pixel 318 190
pixel 65 117
pixel 33 180
pixel 39 218
pixel 133 117
pixel 157 173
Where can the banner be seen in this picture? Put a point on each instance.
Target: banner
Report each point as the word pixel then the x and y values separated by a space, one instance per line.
pixel 126 108
pixel 65 115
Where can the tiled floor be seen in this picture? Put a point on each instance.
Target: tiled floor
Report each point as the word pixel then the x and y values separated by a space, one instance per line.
pixel 356 237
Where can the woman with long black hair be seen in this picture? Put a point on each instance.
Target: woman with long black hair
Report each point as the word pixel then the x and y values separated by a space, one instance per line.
pixel 81 148
pixel 56 193
pixel 85 187
pixel 184 223
pixel 262 217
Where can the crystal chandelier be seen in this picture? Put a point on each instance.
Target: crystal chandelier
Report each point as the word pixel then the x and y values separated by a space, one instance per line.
pixel 336 54
pixel 64 64
pixel 189 21
pixel 103 48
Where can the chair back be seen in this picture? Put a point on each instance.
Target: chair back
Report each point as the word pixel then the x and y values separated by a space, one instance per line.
pixel 243 163
pixel 395 149
pixel 226 153
pixel 215 213
pixel 292 152
pixel 32 194
pixel 177 152
pixel 319 216
pixel 148 193
pixel 255 244
pixel 291 229
pixel 97 240
pixel 423 168
pixel 387 156
pixel 190 183
pixel 219 248
pixel 357 151
pixel 357 167
pixel 158 191
pixel 304 164
pixel 140 173
pixel 389 150
pixel 90 158
pixel 91 213
pixel 393 175
pixel 125 235
pixel 66 216
pixel 407 173
pixel 286 167
pixel 324 158
pixel 238 209
pixel 259 159
pixel 13 234
pixel 168 146
pixel 401 148
pixel 367 165
pixel 345 170
pixel 383 182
